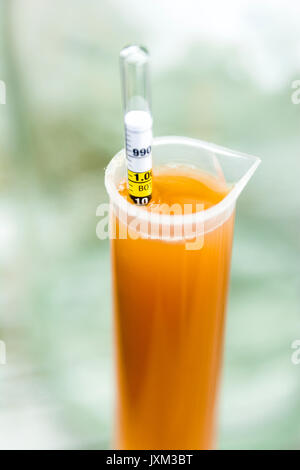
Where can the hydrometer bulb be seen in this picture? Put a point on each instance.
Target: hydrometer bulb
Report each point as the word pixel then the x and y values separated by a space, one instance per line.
pixel 134 65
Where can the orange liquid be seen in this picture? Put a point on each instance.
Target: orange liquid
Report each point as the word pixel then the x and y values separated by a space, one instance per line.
pixel 169 325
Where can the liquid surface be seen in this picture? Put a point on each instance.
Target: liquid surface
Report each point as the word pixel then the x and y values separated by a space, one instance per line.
pixel 169 316
pixel 182 185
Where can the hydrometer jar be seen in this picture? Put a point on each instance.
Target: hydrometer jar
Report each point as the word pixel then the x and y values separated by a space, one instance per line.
pixel 170 285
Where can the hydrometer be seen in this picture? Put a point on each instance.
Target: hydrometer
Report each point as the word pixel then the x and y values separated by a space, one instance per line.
pixel 134 66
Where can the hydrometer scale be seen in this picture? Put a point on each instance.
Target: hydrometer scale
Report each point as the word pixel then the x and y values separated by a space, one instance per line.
pixel 134 66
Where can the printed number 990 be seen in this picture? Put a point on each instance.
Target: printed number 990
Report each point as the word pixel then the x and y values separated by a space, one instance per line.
pixel 142 152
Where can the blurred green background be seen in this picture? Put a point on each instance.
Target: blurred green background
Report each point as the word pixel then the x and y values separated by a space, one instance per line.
pixel 222 72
